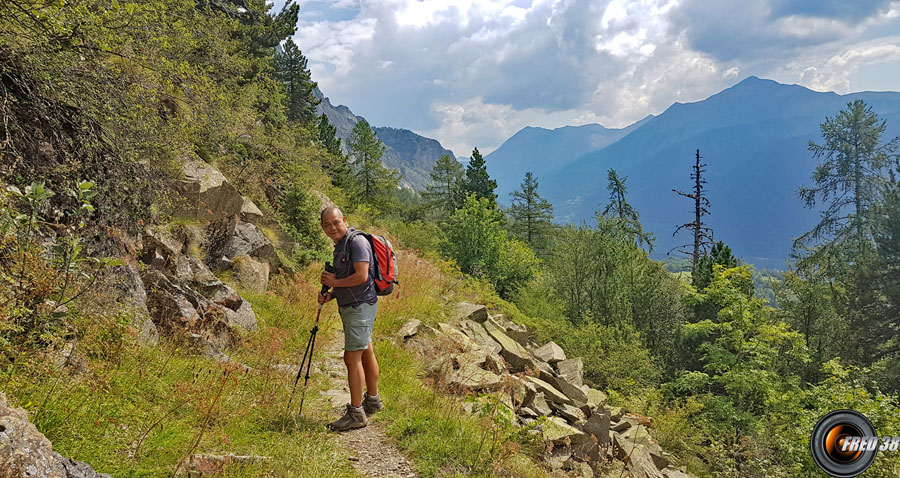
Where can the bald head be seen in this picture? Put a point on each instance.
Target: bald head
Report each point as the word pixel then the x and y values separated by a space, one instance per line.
pixel 329 211
pixel 333 223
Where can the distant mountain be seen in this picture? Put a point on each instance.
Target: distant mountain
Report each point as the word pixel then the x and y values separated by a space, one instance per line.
pixel 542 151
pixel 753 137
pixel 412 154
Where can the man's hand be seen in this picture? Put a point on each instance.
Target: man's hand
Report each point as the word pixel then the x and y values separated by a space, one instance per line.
pixel 324 297
pixel 328 279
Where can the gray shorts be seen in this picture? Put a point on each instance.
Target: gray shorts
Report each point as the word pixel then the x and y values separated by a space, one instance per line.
pixel 358 323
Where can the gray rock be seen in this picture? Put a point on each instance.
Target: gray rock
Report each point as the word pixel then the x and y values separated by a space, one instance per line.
pixel 466 310
pixel 621 426
pixel 640 463
pixel 249 212
pixel 472 377
pixel 674 473
pixel 519 359
pixel 598 426
pixel 576 395
pixel 247 239
pixel 77 469
pixel 557 431
pixel 409 329
pixel 26 452
pixel 550 353
pixel 517 332
pixel 571 414
pixel 595 398
pixel 128 289
pixel 550 393
pixel 455 337
pixel 209 194
pixel 242 317
pixel 572 370
pixel 540 406
pixel 252 274
pixel 479 334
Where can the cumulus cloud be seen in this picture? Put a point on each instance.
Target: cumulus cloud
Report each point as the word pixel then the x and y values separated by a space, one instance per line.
pixel 473 72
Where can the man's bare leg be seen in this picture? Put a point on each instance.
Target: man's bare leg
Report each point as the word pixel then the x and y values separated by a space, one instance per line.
pixel 370 369
pixel 355 375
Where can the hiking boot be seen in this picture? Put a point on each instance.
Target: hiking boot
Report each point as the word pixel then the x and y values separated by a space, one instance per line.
pixel 354 417
pixel 372 403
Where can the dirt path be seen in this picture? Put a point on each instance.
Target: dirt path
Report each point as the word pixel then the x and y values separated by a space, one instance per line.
pixel 371 451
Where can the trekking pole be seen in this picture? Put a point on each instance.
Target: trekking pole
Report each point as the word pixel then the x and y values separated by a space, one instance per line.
pixel 310 346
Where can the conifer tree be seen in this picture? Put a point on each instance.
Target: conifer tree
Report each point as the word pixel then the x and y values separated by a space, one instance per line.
pixel 532 214
pixel 703 235
pixel 720 254
pixel 291 71
pixel 478 181
pixel 336 164
pixel 374 182
pixel 620 209
pixel 443 192
pixel 850 180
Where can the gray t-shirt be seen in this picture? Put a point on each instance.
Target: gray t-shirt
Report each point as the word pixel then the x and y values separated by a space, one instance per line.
pixel 358 251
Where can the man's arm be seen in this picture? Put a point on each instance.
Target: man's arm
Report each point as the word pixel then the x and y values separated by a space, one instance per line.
pixel 360 276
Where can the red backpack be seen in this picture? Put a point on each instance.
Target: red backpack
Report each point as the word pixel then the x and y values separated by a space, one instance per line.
pixel 385 261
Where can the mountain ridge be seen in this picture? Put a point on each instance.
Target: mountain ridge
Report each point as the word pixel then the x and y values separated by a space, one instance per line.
pixel 753 136
pixel 406 151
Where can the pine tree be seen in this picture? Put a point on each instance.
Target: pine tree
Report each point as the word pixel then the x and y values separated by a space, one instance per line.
pixel 328 136
pixel 850 180
pixel 627 215
pixel 532 214
pixel 703 235
pixel 374 182
pixel 336 164
pixel 719 254
pixel 478 181
pixel 443 192
pixel 291 71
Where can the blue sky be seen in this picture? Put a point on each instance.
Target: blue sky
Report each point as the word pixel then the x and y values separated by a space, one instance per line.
pixel 473 72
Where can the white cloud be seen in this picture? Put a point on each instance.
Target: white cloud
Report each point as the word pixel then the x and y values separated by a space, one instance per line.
pixel 473 72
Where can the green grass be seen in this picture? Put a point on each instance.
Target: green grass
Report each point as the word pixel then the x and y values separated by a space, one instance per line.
pixel 175 403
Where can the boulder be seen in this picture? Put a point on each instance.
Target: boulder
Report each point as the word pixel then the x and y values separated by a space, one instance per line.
pixel 466 310
pixel 517 332
pixel 26 452
pixel 575 394
pixel 243 316
pixel 640 463
pixel 457 338
pixel 674 473
pixel 550 353
pixel 540 406
pixel 472 377
pixel 247 239
pixel 252 274
pixel 595 398
pixel 519 359
pixel 598 426
pixel 550 393
pixel 571 414
pixel 128 291
pixel 479 334
pixel 557 431
pixel 209 194
pixel 572 370
pixel 249 212
pixel 409 329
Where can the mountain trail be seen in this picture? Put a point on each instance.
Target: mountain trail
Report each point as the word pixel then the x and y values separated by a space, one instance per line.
pixel 371 451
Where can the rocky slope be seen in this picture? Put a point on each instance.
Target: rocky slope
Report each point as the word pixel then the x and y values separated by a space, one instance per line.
pixel 482 352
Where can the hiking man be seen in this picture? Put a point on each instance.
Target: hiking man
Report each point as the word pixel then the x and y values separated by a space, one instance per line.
pixel 354 289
